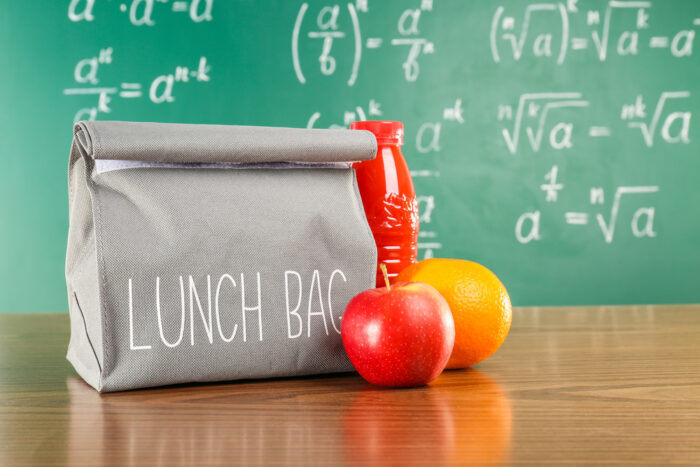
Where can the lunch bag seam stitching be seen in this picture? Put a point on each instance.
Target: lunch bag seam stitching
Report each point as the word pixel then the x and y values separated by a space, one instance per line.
pixel 87 334
pixel 100 264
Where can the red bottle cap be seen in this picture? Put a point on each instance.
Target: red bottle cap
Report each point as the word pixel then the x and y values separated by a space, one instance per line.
pixel 386 132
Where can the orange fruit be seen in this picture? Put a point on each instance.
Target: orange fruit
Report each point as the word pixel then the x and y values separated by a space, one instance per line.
pixel 479 302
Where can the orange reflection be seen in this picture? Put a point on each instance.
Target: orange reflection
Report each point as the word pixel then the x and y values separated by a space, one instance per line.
pixel 463 417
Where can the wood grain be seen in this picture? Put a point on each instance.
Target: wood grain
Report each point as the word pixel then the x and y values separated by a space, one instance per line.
pixel 570 385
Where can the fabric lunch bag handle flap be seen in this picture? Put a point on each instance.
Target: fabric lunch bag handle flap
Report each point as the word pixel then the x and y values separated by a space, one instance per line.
pixel 189 143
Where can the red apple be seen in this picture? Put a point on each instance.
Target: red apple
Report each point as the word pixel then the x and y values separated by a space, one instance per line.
pixel 400 335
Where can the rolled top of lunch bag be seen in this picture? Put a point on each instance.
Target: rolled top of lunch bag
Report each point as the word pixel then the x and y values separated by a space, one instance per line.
pixel 185 143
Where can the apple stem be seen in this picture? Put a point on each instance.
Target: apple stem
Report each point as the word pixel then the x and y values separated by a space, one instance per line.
pixel 386 275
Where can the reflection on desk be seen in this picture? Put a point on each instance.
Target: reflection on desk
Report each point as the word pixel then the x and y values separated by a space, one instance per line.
pixel 582 385
pixel 195 425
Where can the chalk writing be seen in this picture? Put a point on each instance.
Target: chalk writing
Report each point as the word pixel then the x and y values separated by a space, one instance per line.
pixel 669 120
pixel 535 108
pixel 358 113
pixel 427 239
pixel 675 126
pixel 325 28
pixel 160 89
pixel 409 36
pixel 551 188
pixel 527 226
pixel 141 12
pixel 549 41
pixel 522 34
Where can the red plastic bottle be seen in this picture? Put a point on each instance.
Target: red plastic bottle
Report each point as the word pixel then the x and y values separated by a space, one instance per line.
pixel 389 199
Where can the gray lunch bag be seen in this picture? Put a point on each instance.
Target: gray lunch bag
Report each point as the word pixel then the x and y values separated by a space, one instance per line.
pixel 210 253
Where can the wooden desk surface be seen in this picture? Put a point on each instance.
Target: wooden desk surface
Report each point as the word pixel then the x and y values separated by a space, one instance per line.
pixel 582 385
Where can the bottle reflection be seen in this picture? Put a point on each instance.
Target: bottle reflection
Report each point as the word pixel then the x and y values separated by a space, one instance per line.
pixel 469 423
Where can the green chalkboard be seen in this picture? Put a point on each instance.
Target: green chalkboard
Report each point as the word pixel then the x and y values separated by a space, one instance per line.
pixel 554 142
